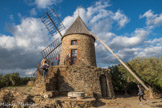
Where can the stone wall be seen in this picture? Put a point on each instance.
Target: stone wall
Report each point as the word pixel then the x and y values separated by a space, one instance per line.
pixel 76 78
pixel 85 49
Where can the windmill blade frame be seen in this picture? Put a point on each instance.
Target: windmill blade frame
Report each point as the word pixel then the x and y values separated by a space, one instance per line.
pixel 54 26
pixel 52 22
pixel 48 52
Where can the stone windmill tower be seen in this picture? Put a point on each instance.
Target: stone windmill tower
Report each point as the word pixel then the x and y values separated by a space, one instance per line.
pixel 79 43
pixel 82 74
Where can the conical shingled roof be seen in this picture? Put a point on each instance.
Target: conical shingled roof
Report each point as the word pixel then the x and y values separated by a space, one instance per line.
pixel 78 27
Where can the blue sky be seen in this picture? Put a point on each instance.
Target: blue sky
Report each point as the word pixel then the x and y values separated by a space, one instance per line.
pixel 132 28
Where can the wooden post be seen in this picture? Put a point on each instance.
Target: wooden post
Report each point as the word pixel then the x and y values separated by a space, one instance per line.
pixel 129 70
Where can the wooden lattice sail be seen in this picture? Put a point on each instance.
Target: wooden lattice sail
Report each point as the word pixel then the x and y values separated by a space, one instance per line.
pixel 54 26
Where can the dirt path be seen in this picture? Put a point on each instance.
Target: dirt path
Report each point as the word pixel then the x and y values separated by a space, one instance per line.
pixel 131 102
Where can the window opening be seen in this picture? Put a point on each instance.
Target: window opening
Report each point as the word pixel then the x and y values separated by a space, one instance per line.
pixel 74 42
pixel 73 56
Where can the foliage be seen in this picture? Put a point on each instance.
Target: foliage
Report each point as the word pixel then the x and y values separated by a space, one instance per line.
pixel 117 78
pixel 120 81
pixel 148 69
pixel 13 80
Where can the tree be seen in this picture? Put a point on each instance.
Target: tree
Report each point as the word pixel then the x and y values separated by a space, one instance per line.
pixel 148 69
pixel 13 79
pixel 120 81
pixel 2 84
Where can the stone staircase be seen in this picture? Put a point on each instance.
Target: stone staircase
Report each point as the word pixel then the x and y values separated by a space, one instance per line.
pixel 45 86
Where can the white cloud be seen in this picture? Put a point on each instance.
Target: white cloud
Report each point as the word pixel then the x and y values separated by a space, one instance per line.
pixel 22 72
pixel 7 42
pixel 128 53
pixel 121 18
pixel 46 3
pixel 155 51
pixel 157 41
pixel 22 49
pixel 31 32
pixel 99 7
pixel 98 18
pixel 102 26
pixel 153 48
pixel 33 12
pixel 152 20
pixel 150 48
pixel 136 38
pixel 98 12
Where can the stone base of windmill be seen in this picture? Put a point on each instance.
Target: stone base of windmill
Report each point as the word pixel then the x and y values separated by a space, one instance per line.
pixel 68 80
pixel 77 95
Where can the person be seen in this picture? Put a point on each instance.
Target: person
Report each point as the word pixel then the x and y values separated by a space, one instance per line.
pixel 43 61
pixel 52 64
pixel 34 75
pixel 40 66
pixel 58 59
pixel 140 93
pixel 45 68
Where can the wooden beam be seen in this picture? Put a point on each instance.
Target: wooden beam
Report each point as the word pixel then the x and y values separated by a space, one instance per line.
pixel 54 24
pixel 129 70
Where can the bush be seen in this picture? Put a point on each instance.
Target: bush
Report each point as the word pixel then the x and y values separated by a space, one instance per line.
pixel 13 80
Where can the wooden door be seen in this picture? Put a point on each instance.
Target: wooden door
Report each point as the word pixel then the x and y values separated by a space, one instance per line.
pixel 103 84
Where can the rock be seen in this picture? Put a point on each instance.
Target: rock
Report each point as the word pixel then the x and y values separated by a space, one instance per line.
pixel 78 95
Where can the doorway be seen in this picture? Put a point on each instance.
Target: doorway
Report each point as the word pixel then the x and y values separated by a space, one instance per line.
pixel 103 84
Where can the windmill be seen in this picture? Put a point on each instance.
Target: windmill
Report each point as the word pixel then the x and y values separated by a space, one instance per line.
pixel 51 21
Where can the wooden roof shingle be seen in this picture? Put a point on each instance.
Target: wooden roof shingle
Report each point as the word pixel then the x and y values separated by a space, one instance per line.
pixel 78 27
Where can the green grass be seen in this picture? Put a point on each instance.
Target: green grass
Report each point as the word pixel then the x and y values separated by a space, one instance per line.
pixel 28 89
pixel 24 88
pixel 10 87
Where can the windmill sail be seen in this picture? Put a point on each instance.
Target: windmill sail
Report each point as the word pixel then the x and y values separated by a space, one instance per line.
pixel 54 26
pixel 52 50
pixel 52 22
